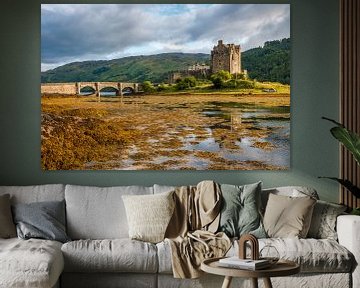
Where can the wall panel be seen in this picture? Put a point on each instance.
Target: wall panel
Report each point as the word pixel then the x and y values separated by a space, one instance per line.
pixel 349 90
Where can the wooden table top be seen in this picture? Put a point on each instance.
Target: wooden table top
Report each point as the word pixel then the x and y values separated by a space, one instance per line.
pixel 281 268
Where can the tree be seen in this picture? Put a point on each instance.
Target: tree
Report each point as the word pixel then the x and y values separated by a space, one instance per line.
pixel 186 83
pixel 269 63
pixel 148 87
pixel 161 87
pixel 220 78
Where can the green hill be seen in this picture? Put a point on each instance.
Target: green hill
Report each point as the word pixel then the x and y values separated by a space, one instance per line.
pixel 268 63
pixel 154 68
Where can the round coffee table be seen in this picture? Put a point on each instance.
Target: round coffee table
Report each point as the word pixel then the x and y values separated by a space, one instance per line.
pixel 281 268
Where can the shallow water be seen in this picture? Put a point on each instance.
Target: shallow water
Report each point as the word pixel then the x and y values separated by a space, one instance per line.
pixel 274 119
pixel 223 135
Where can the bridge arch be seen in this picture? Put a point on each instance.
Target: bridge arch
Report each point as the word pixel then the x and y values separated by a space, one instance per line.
pixel 87 90
pixel 128 90
pixel 109 90
pixel 103 85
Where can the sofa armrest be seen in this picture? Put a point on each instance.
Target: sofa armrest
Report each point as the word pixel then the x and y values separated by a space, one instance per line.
pixel 348 230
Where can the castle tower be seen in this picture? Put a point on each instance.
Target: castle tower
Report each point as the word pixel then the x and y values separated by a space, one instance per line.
pixel 226 57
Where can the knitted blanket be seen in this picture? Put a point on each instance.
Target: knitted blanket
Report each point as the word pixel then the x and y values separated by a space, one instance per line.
pixel 191 232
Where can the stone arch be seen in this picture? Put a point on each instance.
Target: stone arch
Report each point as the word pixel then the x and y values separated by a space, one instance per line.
pixel 85 88
pixel 111 89
pixel 128 90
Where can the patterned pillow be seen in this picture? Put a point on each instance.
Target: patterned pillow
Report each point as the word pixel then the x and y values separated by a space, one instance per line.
pixel 149 215
pixel 323 222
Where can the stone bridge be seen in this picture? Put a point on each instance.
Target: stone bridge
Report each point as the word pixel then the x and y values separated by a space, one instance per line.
pixel 75 87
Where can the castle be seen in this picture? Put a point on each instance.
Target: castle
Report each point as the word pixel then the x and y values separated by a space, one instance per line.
pixel 226 57
pixel 223 57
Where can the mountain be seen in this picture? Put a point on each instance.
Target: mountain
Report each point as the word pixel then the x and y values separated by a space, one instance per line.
pixel 268 63
pixel 154 68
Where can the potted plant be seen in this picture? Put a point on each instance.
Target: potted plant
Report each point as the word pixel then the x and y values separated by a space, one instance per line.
pixel 351 141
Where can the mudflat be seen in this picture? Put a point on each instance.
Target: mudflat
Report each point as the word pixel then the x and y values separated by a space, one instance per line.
pixel 166 132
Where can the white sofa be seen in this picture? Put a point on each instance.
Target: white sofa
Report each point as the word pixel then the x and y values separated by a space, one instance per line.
pixel 101 254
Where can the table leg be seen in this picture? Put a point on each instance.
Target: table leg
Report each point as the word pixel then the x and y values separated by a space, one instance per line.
pixel 254 282
pixel 267 283
pixel 227 282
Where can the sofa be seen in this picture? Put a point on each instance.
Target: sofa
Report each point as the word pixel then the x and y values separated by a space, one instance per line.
pixel 101 254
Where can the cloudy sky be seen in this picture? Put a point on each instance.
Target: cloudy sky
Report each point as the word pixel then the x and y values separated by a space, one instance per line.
pixel 79 32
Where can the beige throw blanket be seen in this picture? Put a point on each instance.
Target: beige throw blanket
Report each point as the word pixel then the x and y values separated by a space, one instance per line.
pixel 191 231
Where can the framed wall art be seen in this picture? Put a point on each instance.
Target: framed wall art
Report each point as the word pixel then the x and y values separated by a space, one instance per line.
pixel 165 86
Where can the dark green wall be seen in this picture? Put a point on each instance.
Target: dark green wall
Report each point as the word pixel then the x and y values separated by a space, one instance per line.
pixel 314 93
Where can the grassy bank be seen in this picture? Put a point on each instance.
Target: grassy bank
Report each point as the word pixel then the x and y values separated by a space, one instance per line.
pixel 268 88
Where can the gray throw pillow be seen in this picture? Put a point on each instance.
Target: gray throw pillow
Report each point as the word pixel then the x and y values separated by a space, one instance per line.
pixel 44 220
pixel 240 213
pixel 7 226
pixel 323 222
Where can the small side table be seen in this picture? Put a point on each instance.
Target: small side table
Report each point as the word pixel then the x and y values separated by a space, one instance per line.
pixel 281 268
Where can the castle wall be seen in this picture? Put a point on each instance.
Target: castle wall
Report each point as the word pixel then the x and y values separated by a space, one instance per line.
pixel 226 57
pixel 200 74
pixel 235 60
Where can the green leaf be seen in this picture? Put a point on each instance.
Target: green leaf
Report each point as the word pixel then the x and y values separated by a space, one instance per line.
pixel 348 185
pixel 355 211
pixel 333 121
pixel 349 139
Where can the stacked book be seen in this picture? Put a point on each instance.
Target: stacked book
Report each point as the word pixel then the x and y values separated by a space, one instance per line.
pixel 248 264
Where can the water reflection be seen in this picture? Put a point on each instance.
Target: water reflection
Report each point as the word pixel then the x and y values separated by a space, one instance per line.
pixel 273 122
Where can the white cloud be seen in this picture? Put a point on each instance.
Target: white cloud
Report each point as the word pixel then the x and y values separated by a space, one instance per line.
pixel 78 32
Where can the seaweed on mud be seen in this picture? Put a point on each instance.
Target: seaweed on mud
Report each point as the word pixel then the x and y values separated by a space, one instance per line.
pixel 132 132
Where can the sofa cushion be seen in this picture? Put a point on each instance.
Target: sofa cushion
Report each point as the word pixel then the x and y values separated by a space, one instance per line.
pixel 163 188
pixel 291 191
pixel 98 213
pixel 313 255
pixel 35 193
pixel 43 220
pixel 240 212
pixel 117 255
pixel 149 215
pixel 287 216
pixel 7 226
pixel 30 263
pixel 164 257
pixel 323 222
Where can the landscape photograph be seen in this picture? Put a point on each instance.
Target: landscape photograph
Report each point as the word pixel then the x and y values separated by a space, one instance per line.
pixel 165 86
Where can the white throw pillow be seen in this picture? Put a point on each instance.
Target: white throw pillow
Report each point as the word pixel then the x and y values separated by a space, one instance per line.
pixel 149 215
